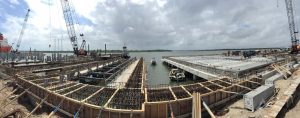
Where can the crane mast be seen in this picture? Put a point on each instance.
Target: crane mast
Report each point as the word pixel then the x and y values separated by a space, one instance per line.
pixel 22 31
pixel 68 16
pixel 292 27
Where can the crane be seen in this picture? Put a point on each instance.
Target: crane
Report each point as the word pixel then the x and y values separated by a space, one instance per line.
pixel 22 32
pixel 292 26
pixel 14 51
pixel 68 17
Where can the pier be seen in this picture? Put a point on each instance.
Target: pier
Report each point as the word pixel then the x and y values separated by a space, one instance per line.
pixel 211 67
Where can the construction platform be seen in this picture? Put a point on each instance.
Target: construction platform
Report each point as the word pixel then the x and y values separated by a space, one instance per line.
pixel 132 99
pixel 210 67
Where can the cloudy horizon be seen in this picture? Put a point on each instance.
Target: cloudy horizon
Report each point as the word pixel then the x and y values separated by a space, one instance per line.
pixel 151 24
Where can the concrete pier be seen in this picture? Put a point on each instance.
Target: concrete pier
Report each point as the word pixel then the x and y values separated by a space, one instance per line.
pixel 209 67
pixel 124 76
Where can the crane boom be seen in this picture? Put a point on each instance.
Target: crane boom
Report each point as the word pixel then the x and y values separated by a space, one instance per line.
pixel 22 31
pixel 292 27
pixel 68 16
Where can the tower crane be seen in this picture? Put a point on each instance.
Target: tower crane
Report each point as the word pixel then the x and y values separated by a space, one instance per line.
pixel 69 20
pixel 292 27
pixel 14 51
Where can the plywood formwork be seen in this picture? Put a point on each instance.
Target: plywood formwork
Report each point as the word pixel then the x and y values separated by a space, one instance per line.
pixel 91 101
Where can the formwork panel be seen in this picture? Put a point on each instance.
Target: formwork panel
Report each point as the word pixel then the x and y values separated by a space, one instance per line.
pixel 163 110
pixel 156 110
pixel 105 114
pixel 185 106
pixel 175 108
pixel 212 98
pixel 125 115
pixel 218 96
pixel 115 115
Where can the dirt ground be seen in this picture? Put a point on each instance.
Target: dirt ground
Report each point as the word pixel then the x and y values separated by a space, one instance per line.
pixel 295 110
pixel 236 110
pixel 23 107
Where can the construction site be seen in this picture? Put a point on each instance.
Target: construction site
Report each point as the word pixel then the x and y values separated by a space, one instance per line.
pixel 94 84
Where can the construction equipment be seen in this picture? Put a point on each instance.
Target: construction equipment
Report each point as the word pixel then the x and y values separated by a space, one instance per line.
pixel 292 27
pixel 15 51
pixel 68 12
pixel 82 49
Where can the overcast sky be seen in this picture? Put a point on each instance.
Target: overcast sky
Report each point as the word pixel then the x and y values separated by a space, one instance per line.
pixel 151 24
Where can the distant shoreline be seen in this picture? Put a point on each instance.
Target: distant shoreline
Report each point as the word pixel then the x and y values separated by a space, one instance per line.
pixel 159 50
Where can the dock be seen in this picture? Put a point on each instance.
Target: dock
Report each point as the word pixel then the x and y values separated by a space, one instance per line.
pixel 210 67
pixel 125 75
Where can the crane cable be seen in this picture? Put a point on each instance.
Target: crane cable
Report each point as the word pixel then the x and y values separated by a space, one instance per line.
pixel 80 30
pixel 60 47
pixel 50 34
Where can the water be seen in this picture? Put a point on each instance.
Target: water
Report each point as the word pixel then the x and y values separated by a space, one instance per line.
pixel 159 74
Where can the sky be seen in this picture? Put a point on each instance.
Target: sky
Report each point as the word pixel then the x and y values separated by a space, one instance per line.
pixel 151 24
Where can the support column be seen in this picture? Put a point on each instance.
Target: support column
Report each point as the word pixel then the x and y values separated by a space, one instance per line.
pixel 194 77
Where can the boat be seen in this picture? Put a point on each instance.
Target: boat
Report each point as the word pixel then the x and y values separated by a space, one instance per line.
pixel 176 75
pixel 4 46
pixel 153 61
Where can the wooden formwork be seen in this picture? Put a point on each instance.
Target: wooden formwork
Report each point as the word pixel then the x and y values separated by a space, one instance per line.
pixel 163 109
pixel 214 93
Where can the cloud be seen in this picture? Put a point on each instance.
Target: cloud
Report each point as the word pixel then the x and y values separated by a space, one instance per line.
pixel 159 24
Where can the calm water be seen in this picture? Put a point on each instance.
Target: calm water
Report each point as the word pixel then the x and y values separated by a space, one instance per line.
pixel 158 74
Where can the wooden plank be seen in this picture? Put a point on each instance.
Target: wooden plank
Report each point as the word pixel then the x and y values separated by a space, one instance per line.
pixel 172 93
